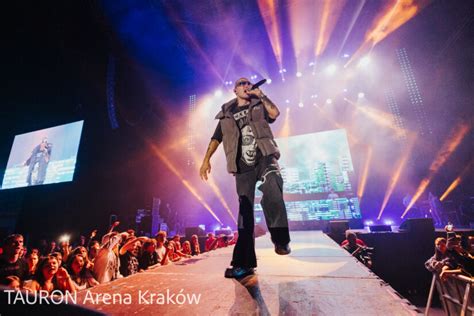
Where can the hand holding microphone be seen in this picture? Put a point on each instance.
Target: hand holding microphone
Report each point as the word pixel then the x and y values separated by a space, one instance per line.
pixel 254 89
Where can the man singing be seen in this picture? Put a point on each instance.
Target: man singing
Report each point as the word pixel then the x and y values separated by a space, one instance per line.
pixel 251 154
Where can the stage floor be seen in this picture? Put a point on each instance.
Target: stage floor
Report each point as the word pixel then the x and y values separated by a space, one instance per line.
pixel 317 278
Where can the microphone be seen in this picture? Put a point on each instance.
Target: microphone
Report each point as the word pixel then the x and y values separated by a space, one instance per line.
pixel 258 84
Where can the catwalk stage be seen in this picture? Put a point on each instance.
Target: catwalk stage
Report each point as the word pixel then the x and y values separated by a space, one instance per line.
pixel 317 278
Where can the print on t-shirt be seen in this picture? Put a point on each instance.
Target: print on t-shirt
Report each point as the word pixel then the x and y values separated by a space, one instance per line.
pixel 249 145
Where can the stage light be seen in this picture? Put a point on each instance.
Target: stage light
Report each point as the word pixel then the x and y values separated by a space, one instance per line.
pixel 331 69
pixel 360 95
pixel 252 77
pixel 311 64
pixel 365 61
pixel 299 74
pixel 388 222
pixel 218 93
pixel 202 226
pixel 269 80
pixel 328 101
pixel 283 70
pixel 346 55
pixel 287 101
pixel 300 104
pixel 345 90
pixel 368 223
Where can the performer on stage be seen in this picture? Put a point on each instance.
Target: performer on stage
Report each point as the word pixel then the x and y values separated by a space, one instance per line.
pixel 40 155
pixel 251 154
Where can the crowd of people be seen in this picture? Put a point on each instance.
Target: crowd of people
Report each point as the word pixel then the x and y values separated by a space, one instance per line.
pixel 90 262
pixel 453 255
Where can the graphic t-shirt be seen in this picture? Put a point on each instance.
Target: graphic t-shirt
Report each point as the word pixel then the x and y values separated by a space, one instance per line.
pixel 18 268
pixel 248 152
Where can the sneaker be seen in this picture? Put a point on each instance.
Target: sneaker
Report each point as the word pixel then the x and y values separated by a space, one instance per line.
pixel 238 273
pixel 282 249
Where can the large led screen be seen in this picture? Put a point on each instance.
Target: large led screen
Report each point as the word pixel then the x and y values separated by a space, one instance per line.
pixel 318 177
pixel 43 157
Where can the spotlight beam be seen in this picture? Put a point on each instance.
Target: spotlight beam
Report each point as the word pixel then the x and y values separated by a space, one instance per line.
pixel 400 167
pixel 444 153
pixel 365 173
pixel 457 181
pixel 193 41
pixel 215 189
pixel 269 15
pixel 188 186
pixel 381 118
pixel 351 26
pixel 329 17
pixel 394 15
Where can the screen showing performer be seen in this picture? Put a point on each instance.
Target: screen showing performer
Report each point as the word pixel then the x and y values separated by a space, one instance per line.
pixel 43 157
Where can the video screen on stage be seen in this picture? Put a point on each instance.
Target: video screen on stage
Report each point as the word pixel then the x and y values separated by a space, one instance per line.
pixel 318 177
pixel 43 157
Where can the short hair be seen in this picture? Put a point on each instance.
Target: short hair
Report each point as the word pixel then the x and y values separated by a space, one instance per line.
pixel 161 235
pixel 440 240
pixel 10 238
pixel 149 243
pixel 11 278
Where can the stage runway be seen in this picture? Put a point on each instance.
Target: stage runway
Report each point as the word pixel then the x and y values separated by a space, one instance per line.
pixel 317 278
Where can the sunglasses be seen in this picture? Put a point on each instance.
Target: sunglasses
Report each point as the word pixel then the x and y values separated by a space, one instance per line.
pixel 243 83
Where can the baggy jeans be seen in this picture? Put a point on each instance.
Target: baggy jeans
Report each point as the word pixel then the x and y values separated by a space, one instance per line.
pixel 268 171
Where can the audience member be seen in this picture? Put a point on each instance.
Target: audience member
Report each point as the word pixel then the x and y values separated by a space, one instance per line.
pixel 10 262
pixel 32 260
pixel 94 249
pixel 149 256
pixel 196 249
pixel 211 242
pixel 233 241
pixel 13 282
pixel 128 256
pixel 172 255
pixel 162 249
pixel 58 256
pixel 50 276
pixel 106 263
pixel 81 276
pixel 187 248
pixel 439 259
pixel 361 253
pixel 177 242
